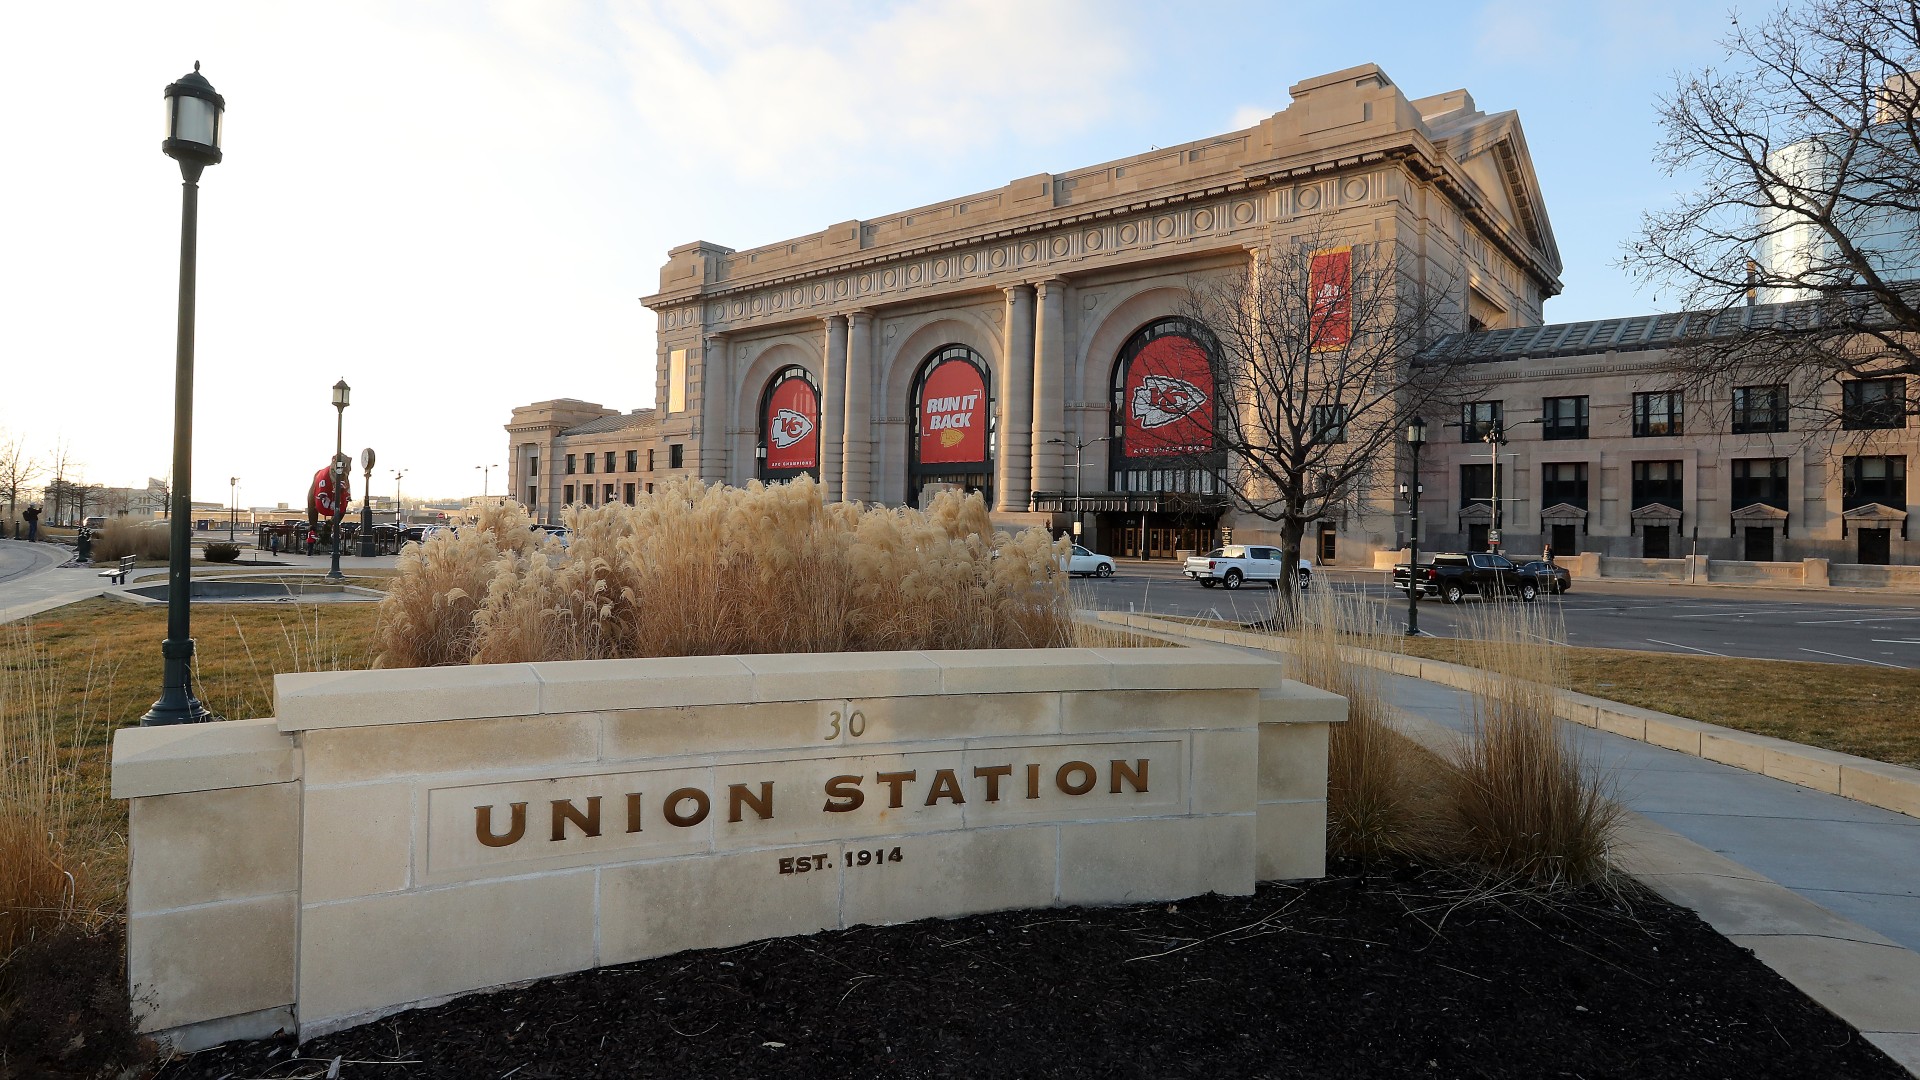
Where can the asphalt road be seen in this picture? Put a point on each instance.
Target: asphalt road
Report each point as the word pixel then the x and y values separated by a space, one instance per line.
pixel 1774 624
pixel 20 559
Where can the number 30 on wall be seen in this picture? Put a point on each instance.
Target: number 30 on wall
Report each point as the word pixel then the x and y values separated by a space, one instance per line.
pixel 847 719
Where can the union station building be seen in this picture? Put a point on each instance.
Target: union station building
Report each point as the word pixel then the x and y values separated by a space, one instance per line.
pixel 1005 343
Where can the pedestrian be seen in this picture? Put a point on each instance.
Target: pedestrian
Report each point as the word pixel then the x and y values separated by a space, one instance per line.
pixel 33 522
pixel 273 544
pixel 1546 554
pixel 312 538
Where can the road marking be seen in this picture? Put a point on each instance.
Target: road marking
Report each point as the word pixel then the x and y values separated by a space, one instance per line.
pixel 1879 618
pixel 1856 659
pixel 1897 641
pixel 1690 648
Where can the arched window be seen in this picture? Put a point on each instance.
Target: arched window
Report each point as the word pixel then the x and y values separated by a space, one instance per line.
pixel 1165 412
pixel 950 445
pixel 789 426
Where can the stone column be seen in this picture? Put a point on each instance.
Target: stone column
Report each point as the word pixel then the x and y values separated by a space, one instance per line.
pixel 717 398
pixel 1049 386
pixel 1013 482
pixel 833 407
pixel 858 460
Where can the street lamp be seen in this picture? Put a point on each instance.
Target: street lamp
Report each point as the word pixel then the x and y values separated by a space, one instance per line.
pixel 1416 438
pixel 233 504
pixel 397 514
pixel 366 504
pixel 194 112
pixel 341 395
pixel 1079 511
pixel 484 470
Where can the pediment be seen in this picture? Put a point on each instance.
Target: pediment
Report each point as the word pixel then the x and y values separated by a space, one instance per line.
pixel 1492 151
pixel 1759 512
pixel 1477 513
pixel 1656 512
pixel 1875 512
pixel 1563 512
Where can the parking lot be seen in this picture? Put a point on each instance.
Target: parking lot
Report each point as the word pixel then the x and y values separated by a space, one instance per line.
pixel 1839 627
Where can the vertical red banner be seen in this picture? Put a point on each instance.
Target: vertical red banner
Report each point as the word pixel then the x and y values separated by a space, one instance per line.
pixel 1330 284
pixel 953 415
pixel 793 437
pixel 1169 399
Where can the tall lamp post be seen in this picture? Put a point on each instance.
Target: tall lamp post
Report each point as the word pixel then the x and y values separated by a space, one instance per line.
pixel 484 470
pixel 397 514
pixel 1079 511
pixel 1416 438
pixel 233 504
pixel 194 112
pixel 366 504
pixel 341 393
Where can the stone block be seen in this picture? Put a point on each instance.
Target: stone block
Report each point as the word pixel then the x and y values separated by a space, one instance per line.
pixel 1619 721
pixel 331 699
pixel 201 757
pixel 1806 766
pixel 1676 733
pixel 829 676
pixel 1297 703
pixel 357 956
pixel 1002 671
pixel 1226 771
pixel 1157 710
pixel 947 716
pixel 355 755
pixel 1293 762
pixel 356 841
pixel 1128 862
pixel 700 729
pixel 1890 787
pixel 1736 748
pixel 204 963
pixel 1190 669
pixel 203 846
pixel 657 908
pixel 1291 839
pixel 650 683
pixel 950 874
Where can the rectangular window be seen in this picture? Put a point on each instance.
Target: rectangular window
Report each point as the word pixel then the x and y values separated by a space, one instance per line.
pixel 649 463
pixel 568 495
pixel 589 458
pixel 649 489
pixel 1563 418
pixel 676 456
pixel 533 464
pixel 1657 413
pixel 1657 482
pixel 1330 423
pixel 1759 409
pixel 607 494
pixel 677 381
pixel 629 490
pixel 1564 482
pixel 569 466
pixel 1760 480
pixel 1868 480
pixel 1478 419
pixel 1476 485
pixel 586 494
pixel 1868 404
pixel 609 461
pixel 633 462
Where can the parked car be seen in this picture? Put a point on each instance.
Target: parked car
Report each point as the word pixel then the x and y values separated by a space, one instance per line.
pixel 1454 577
pixel 428 532
pixel 1084 562
pixel 544 532
pixel 1233 564
pixel 1551 577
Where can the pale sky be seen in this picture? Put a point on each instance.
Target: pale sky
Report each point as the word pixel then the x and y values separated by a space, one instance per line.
pixel 456 206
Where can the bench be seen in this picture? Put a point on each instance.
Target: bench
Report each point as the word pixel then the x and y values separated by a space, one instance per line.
pixel 118 574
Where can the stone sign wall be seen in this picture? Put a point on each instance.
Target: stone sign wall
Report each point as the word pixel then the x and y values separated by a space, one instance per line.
pixel 399 837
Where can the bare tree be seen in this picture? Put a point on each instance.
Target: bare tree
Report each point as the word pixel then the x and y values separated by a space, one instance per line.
pixel 17 471
pixel 1798 250
pixel 1313 361
pixel 59 493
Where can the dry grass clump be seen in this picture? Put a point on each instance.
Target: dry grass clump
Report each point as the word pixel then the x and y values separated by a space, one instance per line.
pixel 56 840
pixel 147 539
pixel 698 569
pixel 1521 798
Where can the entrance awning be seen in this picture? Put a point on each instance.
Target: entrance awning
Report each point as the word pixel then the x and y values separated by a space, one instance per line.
pixel 1127 502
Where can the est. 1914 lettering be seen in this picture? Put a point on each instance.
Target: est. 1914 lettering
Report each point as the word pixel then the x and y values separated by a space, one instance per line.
pixel 807 864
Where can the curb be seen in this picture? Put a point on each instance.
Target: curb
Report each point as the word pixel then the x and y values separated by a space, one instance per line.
pixel 1876 783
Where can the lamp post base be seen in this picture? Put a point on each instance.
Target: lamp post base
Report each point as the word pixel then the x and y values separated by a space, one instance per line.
pixel 177 705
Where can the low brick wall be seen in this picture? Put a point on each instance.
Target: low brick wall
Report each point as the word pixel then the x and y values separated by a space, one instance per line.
pixel 392 838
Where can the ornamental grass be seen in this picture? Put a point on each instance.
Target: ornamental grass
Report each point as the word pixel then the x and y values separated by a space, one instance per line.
pixel 706 569
pixel 144 538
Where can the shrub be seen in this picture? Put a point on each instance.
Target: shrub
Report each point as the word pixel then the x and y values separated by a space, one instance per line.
pixel 697 569
pixel 218 552
pixel 1522 799
pixel 141 537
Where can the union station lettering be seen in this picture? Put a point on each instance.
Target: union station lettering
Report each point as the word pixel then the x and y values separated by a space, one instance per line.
pixel 686 807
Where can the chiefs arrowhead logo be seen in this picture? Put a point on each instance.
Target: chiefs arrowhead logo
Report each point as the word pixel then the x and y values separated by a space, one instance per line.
pixel 1159 400
pixel 788 427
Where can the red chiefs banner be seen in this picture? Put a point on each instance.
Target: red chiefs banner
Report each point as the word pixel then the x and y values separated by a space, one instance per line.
pixel 793 438
pixel 321 499
pixel 1330 281
pixel 1169 399
pixel 953 415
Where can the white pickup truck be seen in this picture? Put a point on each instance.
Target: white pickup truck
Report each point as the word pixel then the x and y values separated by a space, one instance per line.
pixel 1234 564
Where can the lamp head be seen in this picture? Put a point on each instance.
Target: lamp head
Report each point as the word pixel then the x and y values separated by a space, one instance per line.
pixel 194 112
pixel 341 393
pixel 1417 431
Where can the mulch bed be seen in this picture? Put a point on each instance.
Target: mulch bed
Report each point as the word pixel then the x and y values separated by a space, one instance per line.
pixel 1395 971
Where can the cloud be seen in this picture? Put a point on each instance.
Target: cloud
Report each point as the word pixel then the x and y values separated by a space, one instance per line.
pixel 795 94
pixel 1248 115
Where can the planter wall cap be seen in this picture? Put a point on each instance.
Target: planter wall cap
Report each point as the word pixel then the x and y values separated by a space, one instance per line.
pixel 387 696
pixel 1198 668
pixel 822 676
pixel 1294 702
pixel 647 683
pixel 179 758
pixel 1012 671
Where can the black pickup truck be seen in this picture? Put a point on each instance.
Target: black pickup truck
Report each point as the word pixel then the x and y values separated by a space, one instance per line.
pixel 1453 578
